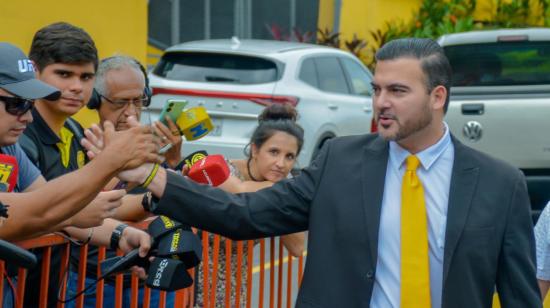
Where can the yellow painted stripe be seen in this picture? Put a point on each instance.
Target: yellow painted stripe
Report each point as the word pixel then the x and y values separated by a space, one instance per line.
pixel 267 265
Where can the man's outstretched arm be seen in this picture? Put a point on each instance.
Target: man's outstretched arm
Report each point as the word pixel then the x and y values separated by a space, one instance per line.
pixel 277 210
pixel 45 208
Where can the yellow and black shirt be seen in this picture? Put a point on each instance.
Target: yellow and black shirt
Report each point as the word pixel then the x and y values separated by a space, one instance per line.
pixel 53 155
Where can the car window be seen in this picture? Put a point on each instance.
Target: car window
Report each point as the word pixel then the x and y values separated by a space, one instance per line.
pixel 221 68
pixel 360 79
pixel 308 73
pixel 331 76
pixel 500 63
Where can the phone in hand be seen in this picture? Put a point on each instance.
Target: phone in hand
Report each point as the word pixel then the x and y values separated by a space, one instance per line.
pixel 172 108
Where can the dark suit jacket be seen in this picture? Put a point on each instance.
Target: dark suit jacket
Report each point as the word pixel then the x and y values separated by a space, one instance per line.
pixel 489 237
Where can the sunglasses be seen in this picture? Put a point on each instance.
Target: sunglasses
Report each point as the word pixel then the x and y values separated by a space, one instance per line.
pixel 17 106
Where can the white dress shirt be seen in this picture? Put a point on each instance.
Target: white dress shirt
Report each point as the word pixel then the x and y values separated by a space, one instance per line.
pixel 435 174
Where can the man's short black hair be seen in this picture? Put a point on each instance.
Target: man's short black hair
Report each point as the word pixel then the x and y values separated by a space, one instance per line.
pixel 62 42
pixel 433 61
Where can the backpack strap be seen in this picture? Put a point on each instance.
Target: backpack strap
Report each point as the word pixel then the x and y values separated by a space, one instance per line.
pixel 75 128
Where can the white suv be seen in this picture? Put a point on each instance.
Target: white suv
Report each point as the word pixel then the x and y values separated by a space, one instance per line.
pixel 234 80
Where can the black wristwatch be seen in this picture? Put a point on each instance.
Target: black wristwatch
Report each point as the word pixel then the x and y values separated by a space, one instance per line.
pixel 146 201
pixel 153 203
pixel 3 210
pixel 116 235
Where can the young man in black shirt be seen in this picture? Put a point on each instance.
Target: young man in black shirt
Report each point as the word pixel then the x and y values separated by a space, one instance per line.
pixel 66 58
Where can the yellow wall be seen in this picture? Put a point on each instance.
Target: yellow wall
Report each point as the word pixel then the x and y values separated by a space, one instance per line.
pixel 326 14
pixel 360 17
pixel 153 55
pixel 116 26
pixel 486 9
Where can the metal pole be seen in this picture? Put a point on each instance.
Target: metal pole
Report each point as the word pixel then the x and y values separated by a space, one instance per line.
pixel 249 19
pixel 292 14
pixel 337 10
pixel 175 22
pixel 237 18
pixel 207 19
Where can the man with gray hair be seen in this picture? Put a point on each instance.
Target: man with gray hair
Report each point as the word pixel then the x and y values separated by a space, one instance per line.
pixel 121 91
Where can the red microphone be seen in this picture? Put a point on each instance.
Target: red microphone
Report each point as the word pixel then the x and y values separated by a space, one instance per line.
pixel 212 170
pixel 8 172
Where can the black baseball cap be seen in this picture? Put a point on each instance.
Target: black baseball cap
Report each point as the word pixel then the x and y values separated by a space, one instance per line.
pixel 17 75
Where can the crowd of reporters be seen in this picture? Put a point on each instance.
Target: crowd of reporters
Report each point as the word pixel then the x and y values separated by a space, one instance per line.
pixel 54 184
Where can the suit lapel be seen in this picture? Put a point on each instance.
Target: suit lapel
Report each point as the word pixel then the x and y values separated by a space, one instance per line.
pixel 463 183
pixel 375 161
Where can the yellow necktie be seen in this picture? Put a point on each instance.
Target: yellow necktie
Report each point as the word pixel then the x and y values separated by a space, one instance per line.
pixel 415 264
pixel 64 145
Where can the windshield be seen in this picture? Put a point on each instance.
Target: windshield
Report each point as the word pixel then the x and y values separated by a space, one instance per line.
pixel 213 67
pixel 500 64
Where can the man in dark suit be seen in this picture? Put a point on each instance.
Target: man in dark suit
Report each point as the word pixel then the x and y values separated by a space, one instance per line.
pixel 476 233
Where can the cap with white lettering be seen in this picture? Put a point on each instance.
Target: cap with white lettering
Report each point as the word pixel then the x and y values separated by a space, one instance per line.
pixel 17 75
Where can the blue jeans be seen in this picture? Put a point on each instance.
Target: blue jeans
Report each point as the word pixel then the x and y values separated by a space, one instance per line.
pixel 109 295
pixel 8 300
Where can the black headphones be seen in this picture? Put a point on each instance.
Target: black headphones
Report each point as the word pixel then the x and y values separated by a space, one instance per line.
pixel 95 99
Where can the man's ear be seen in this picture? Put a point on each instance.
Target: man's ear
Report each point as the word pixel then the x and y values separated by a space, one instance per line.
pixel 438 97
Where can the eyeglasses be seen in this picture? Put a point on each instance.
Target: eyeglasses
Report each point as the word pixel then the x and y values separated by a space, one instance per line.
pixel 17 106
pixel 138 102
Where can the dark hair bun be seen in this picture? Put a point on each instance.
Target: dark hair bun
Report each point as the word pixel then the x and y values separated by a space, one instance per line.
pixel 276 112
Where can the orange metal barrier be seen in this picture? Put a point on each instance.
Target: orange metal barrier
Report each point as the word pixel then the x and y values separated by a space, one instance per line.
pixel 183 298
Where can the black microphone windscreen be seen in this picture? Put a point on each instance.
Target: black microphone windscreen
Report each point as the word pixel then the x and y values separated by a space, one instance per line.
pixel 15 255
pixel 183 244
pixel 161 225
pixel 194 157
pixel 168 275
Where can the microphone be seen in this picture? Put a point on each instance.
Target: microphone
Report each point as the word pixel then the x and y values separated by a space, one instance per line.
pixel 175 248
pixel 194 157
pixel 15 255
pixel 158 228
pixel 194 123
pixel 8 172
pixel 162 225
pixel 120 264
pixel 168 275
pixel 212 170
pixel 191 159
pixel 183 245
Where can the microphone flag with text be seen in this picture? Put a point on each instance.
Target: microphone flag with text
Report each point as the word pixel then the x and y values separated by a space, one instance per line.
pixel 10 253
pixel 9 170
pixel 194 123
